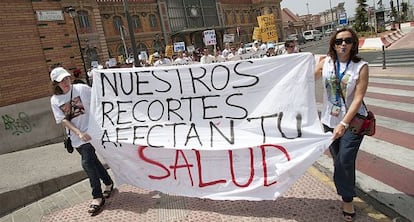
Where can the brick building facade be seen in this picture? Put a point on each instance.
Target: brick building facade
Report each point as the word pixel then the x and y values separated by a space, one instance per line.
pixel 30 44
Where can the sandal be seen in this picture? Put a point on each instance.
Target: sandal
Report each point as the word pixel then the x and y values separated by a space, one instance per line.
pixel 349 217
pixel 108 191
pixel 95 208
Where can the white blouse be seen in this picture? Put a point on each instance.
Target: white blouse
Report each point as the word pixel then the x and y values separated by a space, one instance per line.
pixel 331 97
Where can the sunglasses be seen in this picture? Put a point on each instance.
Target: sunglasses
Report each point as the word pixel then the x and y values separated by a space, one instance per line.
pixel 290 46
pixel 347 41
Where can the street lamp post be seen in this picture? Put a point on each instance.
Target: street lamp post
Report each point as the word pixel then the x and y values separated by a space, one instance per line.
pixel 131 34
pixel 307 16
pixel 398 16
pixel 332 16
pixel 72 13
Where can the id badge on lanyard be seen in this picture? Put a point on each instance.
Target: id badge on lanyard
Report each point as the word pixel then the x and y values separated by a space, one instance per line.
pixel 336 108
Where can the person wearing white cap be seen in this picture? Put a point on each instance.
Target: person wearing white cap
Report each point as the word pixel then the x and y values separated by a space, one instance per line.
pixel 71 106
pixel 270 50
pixel 255 46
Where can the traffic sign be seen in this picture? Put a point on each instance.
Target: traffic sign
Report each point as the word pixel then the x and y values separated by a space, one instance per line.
pixel 343 20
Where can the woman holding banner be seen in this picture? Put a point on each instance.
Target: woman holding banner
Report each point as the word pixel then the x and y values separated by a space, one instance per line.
pixel 76 99
pixel 345 77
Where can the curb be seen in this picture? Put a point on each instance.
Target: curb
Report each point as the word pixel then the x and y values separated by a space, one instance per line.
pixel 387 41
pixel 21 197
pixel 377 43
pixel 32 174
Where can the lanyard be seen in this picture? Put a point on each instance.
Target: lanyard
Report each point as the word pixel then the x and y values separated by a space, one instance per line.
pixel 339 75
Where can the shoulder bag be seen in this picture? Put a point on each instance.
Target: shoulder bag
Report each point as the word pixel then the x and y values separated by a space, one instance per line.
pixel 67 141
pixel 360 124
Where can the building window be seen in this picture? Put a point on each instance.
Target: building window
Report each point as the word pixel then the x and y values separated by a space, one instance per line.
pixel 243 36
pixel 157 46
pixel 83 20
pixel 251 17
pixel 136 22
pixel 91 55
pixel 242 20
pixel 153 21
pixel 187 14
pixel 234 18
pixel 117 23
pixel 228 15
pixel 121 51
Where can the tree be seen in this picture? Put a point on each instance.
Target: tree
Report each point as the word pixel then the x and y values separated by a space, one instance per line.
pixel 404 11
pixel 393 11
pixel 361 17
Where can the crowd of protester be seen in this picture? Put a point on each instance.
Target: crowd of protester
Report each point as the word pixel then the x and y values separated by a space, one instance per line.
pixel 230 52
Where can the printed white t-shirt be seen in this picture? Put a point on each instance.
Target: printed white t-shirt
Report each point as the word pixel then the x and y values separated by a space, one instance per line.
pixel 348 84
pixel 80 105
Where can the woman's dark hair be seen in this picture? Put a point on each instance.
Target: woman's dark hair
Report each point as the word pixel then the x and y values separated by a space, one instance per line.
pixel 56 89
pixel 355 45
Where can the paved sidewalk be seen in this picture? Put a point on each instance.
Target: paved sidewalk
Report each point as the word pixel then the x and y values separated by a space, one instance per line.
pixel 392 72
pixel 406 42
pixel 312 198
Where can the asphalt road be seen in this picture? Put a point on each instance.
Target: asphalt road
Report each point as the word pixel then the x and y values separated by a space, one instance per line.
pixel 372 57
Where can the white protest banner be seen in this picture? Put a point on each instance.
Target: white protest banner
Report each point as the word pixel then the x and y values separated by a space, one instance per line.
pixel 236 130
pixel 228 38
pixel 179 46
pixel 209 37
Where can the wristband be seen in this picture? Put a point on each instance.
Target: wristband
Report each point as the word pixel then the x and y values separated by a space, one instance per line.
pixel 346 125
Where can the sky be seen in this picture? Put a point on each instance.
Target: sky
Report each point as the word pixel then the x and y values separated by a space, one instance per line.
pixel 317 6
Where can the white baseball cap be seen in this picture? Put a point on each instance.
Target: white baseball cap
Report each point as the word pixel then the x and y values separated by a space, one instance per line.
pixel 58 74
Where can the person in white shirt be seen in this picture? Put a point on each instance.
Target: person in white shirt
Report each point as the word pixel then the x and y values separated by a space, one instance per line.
pixel 345 77
pixel 180 60
pixel 71 107
pixel 207 58
pixel 226 51
pixel 290 47
pixel 233 55
pixel 263 47
pixel 255 46
pixel 188 57
pixel 241 49
pixel 143 61
pixel 163 61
